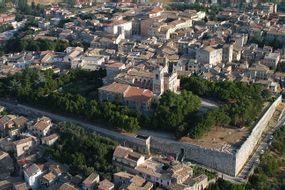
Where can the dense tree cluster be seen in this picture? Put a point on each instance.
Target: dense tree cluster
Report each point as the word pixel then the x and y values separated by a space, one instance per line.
pixel 176 113
pixel 225 185
pixel 84 152
pixel 212 11
pixel 3 6
pixel 6 27
pixel 19 44
pixel 179 114
pixel 262 41
pixel 241 101
pixel 33 9
pixel 202 123
pixel 173 109
pixel 281 67
pixel 41 88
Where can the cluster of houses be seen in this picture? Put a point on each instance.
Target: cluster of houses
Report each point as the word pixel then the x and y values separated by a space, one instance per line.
pixel 145 49
pixel 9 20
pixel 24 140
pixel 143 172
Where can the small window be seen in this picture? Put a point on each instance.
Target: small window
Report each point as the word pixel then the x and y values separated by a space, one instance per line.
pixel 156 76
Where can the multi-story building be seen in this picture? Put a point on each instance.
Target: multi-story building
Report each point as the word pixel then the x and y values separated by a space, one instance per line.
pixel 164 173
pixel 260 72
pixel 119 27
pixel 91 181
pixel 228 51
pixel 31 175
pixel 133 97
pixel 271 60
pixel 209 55
pixel 23 145
pixel 40 127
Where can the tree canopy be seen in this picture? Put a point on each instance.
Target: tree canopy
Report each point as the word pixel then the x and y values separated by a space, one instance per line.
pixel 241 101
pixel 173 109
pixel 39 88
pixel 83 151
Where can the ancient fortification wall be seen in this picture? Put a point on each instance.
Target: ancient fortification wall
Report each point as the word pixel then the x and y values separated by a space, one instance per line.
pixel 248 146
pixel 224 161
pixel 219 160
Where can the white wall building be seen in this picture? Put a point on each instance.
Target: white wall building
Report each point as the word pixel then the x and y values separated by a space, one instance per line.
pixel 31 175
pixel 209 55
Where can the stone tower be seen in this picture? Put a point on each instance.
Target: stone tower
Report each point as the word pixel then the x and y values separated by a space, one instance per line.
pixel 158 81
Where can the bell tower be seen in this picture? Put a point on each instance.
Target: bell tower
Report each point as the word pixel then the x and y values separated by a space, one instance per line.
pixel 158 81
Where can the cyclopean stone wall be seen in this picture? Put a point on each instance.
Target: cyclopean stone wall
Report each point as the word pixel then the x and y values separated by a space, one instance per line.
pixel 249 144
pixel 230 162
pixel 212 158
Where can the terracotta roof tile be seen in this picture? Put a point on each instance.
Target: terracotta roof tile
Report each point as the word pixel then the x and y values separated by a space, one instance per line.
pixel 138 94
pixel 115 87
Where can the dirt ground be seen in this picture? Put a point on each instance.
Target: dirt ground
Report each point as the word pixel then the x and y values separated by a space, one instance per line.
pixel 220 136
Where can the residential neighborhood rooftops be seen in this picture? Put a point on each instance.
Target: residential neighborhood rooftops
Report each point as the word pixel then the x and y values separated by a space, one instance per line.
pixel 122 152
pixel 93 177
pixel 67 186
pixel 20 121
pixel 32 170
pixel 138 183
pixel 3 154
pixel 24 140
pixel 49 176
pixel 20 186
pixel 105 185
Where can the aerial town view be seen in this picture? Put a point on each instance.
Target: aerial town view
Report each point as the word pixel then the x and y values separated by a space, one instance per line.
pixel 142 95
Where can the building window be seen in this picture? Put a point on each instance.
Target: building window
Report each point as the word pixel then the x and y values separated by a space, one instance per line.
pixel 156 76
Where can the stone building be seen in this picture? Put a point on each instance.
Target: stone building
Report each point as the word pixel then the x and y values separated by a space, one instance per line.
pixel 31 175
pixel 91 181
pixel 133 97
pixel 6 165
pixel 22 145
pixel 41 126
pixel 209 55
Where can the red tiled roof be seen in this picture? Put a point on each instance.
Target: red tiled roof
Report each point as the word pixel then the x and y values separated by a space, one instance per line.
pixel 115 87
pixel 138 94
pixel 156 10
